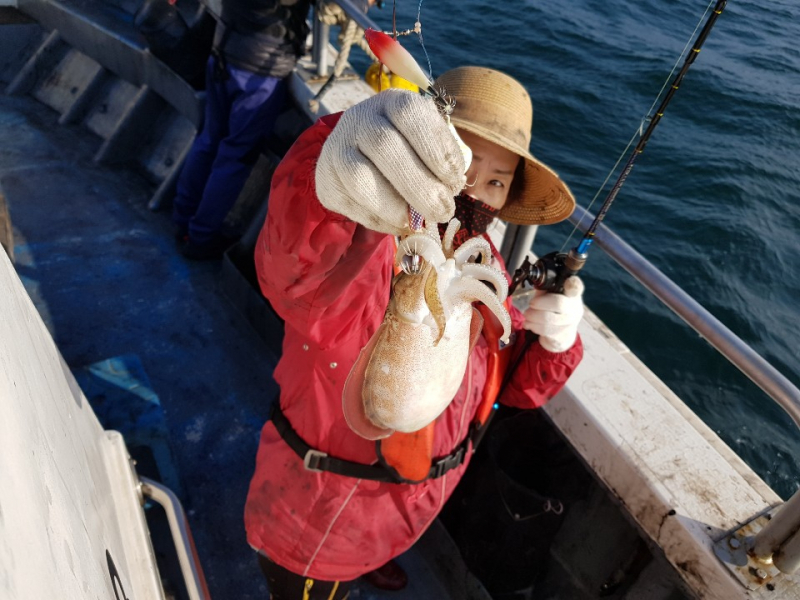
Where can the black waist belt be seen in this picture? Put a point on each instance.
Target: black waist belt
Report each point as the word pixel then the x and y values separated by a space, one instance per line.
pixel 315 460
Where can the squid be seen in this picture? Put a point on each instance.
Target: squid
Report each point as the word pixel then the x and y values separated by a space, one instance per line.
pixel 412 367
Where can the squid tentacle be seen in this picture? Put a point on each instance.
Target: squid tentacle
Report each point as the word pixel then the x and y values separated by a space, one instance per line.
pixel 470 290
pixel 449 235
pixel 422 244
pixel 487 273
pixel 470 247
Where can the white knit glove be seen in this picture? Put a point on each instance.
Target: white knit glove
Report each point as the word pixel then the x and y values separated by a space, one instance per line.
pixel 386 153
pixel 555 317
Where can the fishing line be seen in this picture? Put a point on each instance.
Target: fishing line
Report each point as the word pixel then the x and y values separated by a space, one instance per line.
pixel 646 119
pixel 417 29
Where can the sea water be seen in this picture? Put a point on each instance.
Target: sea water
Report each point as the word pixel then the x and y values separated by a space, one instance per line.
pixel 713 201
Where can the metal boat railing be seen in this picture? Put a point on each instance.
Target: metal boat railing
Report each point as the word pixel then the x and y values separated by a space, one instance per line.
pixel 191 569
pixel 779 542
pixel 321 32
pixel 727 343
pixel 354 13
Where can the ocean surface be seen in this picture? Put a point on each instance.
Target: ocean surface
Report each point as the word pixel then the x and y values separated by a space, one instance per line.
pixel 714 200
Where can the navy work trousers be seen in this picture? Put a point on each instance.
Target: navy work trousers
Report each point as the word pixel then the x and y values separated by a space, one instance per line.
pixel 240 112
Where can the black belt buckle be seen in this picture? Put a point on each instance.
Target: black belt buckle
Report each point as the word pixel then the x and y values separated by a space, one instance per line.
pixel 440 467
pixel 312 460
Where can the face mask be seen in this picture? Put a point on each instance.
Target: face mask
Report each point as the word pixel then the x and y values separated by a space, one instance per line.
pixel 475 217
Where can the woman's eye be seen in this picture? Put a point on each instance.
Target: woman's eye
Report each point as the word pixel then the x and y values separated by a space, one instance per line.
pixel 496 183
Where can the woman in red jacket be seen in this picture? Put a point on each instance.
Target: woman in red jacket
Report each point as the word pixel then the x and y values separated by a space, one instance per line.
pixel 320 511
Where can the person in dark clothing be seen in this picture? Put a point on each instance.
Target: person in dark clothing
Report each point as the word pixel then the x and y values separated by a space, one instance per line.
pixel 256 46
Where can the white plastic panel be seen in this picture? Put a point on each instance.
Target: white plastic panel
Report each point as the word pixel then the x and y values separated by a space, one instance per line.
pixel 69 514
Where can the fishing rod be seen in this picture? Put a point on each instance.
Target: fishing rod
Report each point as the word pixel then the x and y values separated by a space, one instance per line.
pixel 550 272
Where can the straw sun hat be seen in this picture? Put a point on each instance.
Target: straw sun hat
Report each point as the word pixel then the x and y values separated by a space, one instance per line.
pixel 497 108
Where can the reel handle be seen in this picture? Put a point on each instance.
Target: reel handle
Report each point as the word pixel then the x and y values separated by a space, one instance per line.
pixel 549 272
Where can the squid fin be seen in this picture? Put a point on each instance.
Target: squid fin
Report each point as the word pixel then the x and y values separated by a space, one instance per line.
pixel 352 395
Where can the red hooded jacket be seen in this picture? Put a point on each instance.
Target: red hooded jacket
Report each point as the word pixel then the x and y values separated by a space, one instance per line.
pixel 329 279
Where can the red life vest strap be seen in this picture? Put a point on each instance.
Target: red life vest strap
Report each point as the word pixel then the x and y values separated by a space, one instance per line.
pixel 497 363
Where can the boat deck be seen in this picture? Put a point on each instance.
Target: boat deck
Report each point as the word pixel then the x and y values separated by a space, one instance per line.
pixel 105 275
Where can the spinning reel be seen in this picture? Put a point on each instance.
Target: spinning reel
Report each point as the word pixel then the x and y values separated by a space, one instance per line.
pixel 549 272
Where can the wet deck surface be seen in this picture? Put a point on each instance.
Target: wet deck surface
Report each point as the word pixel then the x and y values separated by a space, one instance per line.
pixel 105 275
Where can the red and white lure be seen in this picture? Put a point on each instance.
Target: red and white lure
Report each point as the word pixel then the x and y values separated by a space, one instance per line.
pixel 398 59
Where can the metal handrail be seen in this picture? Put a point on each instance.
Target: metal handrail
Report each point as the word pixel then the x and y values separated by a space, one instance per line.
pixel 192 570
pixel 357 15
pixel 318 51
pixel 779 540
pixel 727 343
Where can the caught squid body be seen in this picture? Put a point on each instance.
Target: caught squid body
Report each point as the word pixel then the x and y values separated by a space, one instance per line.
pixel 413 365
